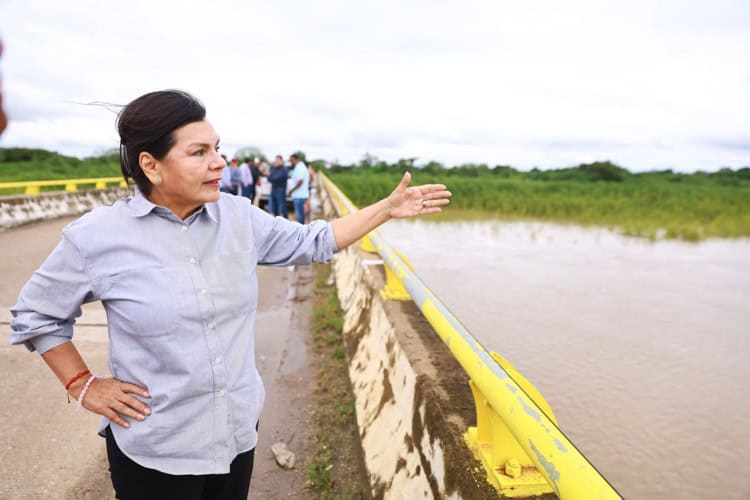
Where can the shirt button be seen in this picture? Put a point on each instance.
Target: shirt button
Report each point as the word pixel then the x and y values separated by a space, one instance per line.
pixel 211 326
pixel 192 260
pixel 221 394
pixel 184 228
pixel 203 291
pixel 218 360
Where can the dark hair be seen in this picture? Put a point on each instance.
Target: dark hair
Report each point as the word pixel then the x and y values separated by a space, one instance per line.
pixel 148 123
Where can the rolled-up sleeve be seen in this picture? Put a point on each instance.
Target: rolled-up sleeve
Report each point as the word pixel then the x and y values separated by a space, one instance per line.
pixel 281 242
pixel 51 300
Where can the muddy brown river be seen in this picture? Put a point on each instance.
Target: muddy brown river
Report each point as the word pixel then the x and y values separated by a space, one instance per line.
pixel 641 348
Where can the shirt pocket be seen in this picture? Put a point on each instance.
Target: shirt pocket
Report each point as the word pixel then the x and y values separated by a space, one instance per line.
pixel 149 302
pixel 233 283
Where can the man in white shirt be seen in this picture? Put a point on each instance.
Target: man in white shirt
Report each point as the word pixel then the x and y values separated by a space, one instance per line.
pixel 300 191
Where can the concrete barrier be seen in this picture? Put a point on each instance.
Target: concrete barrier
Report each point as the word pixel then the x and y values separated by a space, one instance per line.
pixel 413 401
pixel 16 210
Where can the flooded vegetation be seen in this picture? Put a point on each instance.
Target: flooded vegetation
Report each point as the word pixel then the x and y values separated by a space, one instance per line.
pixel 655 205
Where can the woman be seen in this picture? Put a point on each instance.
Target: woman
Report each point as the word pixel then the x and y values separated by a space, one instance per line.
pixel 181 409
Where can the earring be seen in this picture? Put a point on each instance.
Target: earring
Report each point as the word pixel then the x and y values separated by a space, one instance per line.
pixel 157 180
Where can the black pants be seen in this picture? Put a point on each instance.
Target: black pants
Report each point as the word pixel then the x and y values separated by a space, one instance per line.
pixel 135 482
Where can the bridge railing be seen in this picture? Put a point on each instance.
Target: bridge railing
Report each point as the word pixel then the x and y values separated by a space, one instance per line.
pixel 70 185
pixel 517 438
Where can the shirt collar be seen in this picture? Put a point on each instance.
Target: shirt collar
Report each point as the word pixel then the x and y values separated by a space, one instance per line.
pixel 140 206
pixel 211 211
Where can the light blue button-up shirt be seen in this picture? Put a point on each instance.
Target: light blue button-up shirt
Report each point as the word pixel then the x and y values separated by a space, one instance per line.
pixel 181 300
pixel 301 172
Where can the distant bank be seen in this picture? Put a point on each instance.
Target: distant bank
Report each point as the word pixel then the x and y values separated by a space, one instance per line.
pixel 661 204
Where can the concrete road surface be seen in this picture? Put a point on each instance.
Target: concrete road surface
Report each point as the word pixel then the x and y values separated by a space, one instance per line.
pixel 50 450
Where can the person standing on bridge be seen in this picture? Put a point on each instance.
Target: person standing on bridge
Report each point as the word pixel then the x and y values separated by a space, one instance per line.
pixel 235 175
pixel 249 181
pixel 278 179
pixel 225 184
pixel 300 191
pixel 174 266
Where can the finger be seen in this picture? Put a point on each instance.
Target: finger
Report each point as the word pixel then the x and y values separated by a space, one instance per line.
pixel 431 188
pixel 114 417
pixel 431 210
pixel 438 194
pixel 135 404
pixel 405 180
pixel 124 409
pixel 436 203
pixel 134 389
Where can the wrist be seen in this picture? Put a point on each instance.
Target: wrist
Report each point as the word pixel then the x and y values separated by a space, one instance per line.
pixel 386 209
pixel 84 390
pixel 76 387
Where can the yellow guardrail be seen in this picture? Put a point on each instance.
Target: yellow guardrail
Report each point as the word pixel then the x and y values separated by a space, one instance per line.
pixel 32 187
pixel 516 438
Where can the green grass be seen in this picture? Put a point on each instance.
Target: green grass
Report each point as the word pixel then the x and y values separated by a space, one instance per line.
pixel 335 469
pixel 319 470
pixel 690 207
pixel 52 170
pixel 651 204
pixel 21 164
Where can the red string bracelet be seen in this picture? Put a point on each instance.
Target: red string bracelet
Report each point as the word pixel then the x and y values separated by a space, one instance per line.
pixel 73 380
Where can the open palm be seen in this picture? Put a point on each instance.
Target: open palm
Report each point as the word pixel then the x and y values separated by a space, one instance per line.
pixel 407 201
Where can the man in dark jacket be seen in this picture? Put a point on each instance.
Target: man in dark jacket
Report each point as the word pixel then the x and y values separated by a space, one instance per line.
pixel 278 177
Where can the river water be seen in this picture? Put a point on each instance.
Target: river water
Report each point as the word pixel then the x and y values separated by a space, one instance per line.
pixel 641 348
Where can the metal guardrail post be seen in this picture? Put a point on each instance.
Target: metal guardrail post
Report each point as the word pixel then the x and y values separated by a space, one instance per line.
pixel 563 466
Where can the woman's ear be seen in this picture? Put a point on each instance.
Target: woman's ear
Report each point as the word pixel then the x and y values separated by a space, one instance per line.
pixel 150 167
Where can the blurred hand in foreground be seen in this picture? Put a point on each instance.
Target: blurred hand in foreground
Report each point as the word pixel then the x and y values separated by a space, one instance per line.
pixel 3 118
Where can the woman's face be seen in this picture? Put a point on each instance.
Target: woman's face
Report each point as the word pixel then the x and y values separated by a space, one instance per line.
pixel 190 173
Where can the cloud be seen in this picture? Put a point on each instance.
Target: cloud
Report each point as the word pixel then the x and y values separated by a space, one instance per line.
pixel 529 83
pixel 738 144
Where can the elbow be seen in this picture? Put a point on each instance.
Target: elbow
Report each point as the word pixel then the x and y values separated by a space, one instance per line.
pixel 40 333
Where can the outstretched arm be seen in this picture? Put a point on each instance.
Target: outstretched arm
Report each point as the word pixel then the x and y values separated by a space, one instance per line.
pixel 404 201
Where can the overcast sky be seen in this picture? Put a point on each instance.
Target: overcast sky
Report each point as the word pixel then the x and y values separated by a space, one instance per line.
pixel 647 84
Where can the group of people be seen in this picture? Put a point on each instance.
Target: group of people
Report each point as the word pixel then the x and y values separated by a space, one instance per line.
pixel 244 179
